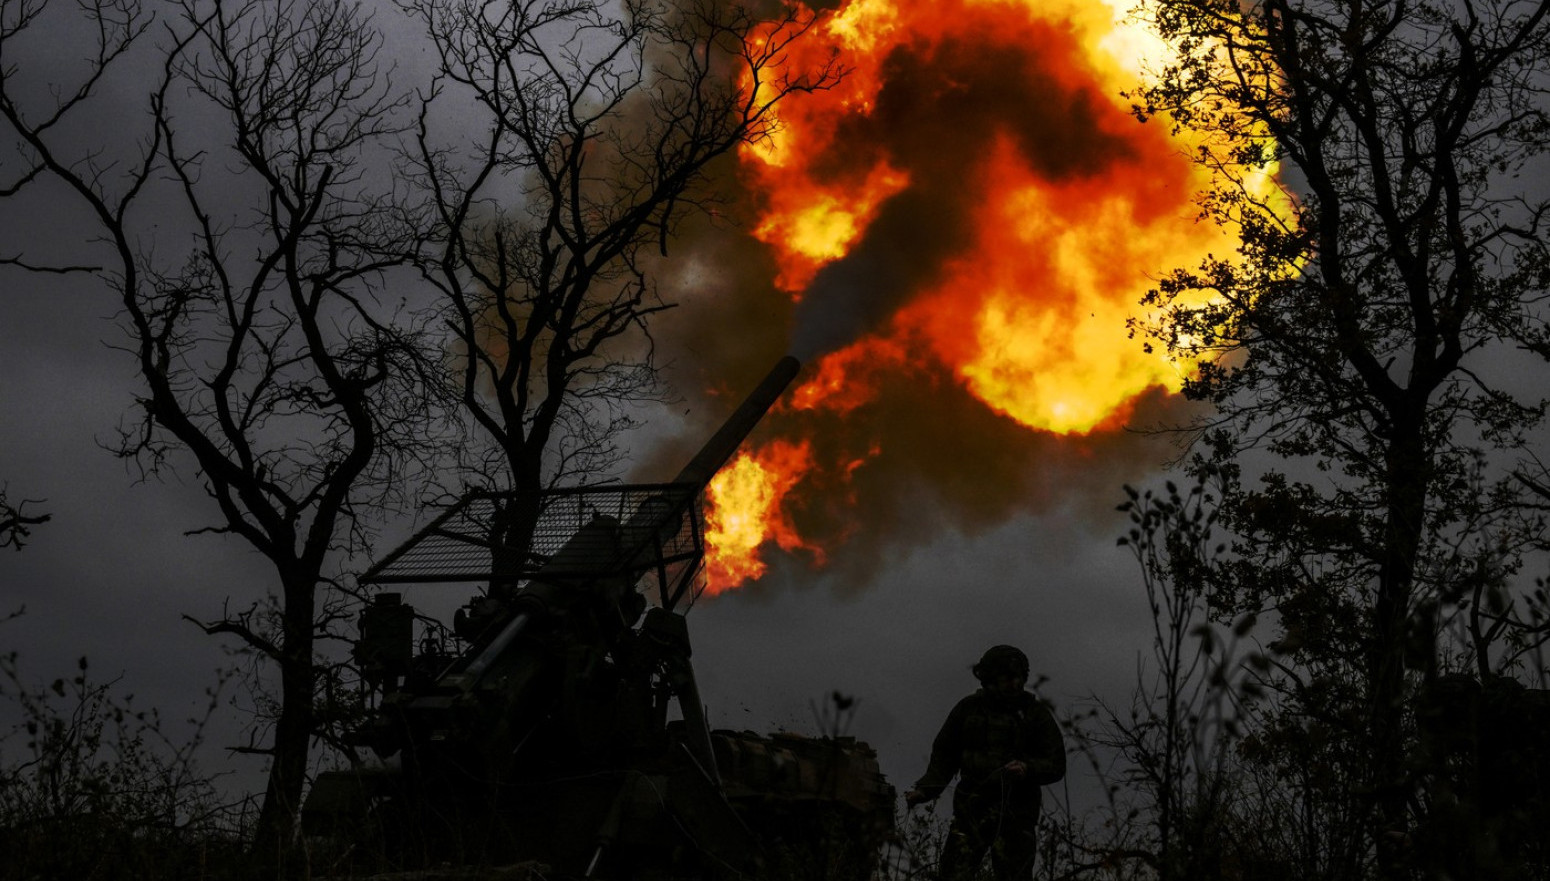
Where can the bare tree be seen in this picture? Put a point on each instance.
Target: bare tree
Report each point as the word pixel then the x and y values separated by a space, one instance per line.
pixel 239 228
pixel 597 125
pixel 1358 334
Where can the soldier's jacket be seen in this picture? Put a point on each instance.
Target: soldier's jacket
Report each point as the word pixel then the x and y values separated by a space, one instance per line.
pixel 986 731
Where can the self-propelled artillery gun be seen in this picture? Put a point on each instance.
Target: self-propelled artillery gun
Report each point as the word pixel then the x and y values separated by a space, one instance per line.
pixel 557 718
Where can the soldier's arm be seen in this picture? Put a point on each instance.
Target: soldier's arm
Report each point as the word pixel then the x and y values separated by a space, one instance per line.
pixel 946 751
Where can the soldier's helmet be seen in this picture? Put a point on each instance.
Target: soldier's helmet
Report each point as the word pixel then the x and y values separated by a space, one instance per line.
pixel 998 661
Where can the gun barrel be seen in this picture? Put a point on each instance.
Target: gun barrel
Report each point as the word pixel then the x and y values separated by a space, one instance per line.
pixel 719 449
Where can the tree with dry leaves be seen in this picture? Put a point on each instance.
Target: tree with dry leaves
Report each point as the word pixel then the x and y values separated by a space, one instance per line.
pixel 1368 342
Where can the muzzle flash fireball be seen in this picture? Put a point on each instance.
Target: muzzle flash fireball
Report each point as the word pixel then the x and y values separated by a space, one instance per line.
pixel 976 202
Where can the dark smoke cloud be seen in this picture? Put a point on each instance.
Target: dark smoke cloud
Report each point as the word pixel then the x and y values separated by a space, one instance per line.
pixel 936 459
pixel 938 116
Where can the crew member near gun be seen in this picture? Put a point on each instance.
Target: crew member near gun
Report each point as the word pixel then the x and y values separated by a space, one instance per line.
pixel 1003 744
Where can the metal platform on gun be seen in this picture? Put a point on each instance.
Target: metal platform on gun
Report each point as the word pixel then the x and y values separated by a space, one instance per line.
pixel 580 534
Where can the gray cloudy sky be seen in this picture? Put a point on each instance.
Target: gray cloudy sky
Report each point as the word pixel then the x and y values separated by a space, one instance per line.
pixel 982 533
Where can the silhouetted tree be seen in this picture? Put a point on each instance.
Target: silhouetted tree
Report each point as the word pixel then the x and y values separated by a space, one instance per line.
pixel 234 215
pixel 1369 334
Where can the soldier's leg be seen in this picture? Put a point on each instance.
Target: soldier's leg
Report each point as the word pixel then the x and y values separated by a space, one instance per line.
pixel 964 850
pixel 1014 850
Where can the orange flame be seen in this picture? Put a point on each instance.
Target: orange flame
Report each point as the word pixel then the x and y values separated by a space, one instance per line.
pixel 746 512
pixel 1043 213
pixel 845 380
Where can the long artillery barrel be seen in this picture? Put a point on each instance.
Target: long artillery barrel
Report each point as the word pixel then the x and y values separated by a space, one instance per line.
pixel 729 437
pixel 661 516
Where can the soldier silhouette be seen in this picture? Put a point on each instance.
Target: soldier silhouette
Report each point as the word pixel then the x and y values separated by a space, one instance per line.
pixel 1002 744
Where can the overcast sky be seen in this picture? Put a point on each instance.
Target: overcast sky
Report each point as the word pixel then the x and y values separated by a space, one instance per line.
pixel 896 625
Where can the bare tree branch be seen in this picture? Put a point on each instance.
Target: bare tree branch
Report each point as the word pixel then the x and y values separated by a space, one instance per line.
pixel 16 523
